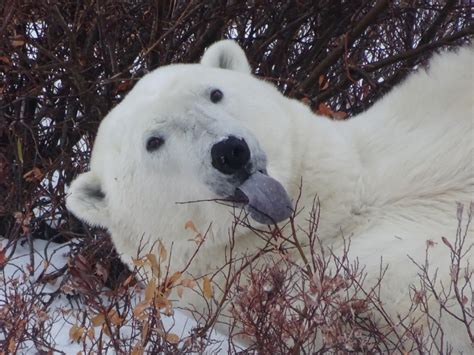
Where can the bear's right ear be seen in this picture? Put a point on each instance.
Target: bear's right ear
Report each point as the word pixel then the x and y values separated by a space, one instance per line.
pixel 226 54
pixel 87 201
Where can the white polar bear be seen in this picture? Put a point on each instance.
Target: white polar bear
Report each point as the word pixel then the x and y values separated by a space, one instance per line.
pixel 389 178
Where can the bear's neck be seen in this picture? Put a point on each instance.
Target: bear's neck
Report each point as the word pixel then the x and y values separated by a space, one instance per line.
pixel 330 170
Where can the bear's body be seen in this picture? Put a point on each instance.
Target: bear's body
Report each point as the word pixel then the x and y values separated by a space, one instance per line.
pixel 390 178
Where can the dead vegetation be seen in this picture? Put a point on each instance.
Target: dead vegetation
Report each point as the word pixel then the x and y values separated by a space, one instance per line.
pixel 278 307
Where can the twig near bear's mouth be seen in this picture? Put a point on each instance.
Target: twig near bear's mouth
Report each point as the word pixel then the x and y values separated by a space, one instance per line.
pixel 218 200
pixel 229 201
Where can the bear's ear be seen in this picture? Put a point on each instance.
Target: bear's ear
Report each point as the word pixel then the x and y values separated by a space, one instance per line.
pixel 226 54
pixel 87 201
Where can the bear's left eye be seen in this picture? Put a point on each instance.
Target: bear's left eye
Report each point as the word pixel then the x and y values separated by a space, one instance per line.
pixel 153 143
pixel 216 96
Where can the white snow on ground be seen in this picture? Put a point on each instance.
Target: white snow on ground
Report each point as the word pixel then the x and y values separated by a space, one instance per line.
pixel 18 265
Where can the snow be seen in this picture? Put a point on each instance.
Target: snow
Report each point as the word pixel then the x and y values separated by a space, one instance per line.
pixel 62 319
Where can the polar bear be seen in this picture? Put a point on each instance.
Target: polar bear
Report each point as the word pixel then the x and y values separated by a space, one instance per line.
pixel 389 178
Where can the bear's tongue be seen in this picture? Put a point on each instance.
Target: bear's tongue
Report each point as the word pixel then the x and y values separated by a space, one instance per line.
pixel 268 201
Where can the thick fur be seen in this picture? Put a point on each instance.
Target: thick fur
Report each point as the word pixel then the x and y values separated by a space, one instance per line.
pixel 390 178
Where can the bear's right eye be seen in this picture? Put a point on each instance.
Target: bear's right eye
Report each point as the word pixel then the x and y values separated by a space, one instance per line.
pixel 153 143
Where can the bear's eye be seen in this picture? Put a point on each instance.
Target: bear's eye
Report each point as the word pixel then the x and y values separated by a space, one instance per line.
pixel 216 95
pixel 153 143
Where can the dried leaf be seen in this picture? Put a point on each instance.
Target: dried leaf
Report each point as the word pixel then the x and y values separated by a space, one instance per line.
pixel 172 338
pixel 137 350
pixel 123 86
pixel 17 41
pixel 12 345
pixel 198 239
pixel 91 334
pixel 139 309
pixel 75 333
pixel 179 291
pixel 339 115
pixel 150 290
pixel 206 287
pixel 115 318
pixel 106 330
pixel 3 257
pixel 190 225
pixel 172 280
pixel 323 83
pixel 161 301
pixel 162 251
pixel 127 281
pixel 98 320
pixel 5 60
pixel 68 289
pixel 155 267
pixel 138 262
pixel 447 243
pixel 33 175
pixel 324 109
pixel 188 283
pixel 306 100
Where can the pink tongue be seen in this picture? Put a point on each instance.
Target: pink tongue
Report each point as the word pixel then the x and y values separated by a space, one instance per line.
pixel 268 201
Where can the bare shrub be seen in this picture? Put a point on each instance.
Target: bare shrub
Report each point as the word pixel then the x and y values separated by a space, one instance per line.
pixel 275 306
pixel 324 305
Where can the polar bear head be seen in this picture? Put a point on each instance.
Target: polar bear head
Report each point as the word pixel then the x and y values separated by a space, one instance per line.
pixel 189 132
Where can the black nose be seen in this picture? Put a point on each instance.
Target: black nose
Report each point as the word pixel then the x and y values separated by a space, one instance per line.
pixel 230 155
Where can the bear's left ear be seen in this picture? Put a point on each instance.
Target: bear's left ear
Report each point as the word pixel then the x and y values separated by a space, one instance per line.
pixel 87 201
pixel 226 54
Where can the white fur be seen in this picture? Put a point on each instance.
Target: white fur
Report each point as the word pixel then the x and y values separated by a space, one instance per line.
pixel 389 178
